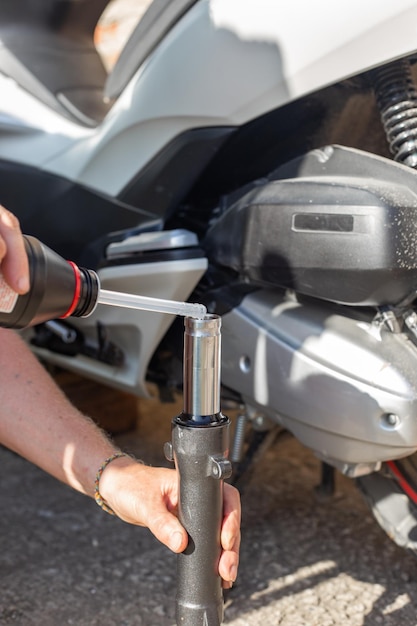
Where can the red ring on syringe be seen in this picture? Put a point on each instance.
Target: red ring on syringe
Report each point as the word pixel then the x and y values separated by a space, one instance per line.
pixel 77 290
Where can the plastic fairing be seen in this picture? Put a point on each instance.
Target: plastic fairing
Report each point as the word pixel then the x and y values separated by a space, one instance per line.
pixel 269 54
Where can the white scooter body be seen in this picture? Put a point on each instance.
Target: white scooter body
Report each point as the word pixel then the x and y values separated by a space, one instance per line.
pixel 224 63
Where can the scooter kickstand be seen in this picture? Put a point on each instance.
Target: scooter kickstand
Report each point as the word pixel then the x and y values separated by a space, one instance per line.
pixel 327 487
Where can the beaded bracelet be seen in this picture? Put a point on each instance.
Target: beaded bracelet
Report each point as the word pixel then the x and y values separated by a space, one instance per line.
pixel 100 501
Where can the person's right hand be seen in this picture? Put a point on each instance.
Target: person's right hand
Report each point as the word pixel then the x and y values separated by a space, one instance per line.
pixel 148 496
pixel 13 258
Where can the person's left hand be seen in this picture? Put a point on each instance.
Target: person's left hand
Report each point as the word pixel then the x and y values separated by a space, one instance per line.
pixel 148 496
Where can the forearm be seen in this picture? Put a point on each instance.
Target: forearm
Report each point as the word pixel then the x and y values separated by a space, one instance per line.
pixel 39 423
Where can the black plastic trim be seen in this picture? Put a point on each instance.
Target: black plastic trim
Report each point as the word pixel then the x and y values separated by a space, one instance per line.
pixel 157 256
pixel 75 221
pixel 166 180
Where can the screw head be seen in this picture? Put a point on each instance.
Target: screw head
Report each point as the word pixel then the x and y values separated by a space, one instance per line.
pixel 391 419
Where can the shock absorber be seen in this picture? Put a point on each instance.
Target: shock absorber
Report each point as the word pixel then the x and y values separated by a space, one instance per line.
pixel 396 96
pixel 199 447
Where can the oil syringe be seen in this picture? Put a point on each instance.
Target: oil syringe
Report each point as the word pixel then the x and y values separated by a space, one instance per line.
pixel 61 289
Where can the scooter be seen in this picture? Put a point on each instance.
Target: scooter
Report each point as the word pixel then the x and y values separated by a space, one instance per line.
pixel 256 157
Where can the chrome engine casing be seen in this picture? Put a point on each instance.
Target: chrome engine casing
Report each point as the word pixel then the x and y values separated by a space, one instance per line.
pixel 342 384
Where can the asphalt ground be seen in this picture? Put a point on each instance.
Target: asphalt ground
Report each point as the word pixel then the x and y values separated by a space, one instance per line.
pixel 304 561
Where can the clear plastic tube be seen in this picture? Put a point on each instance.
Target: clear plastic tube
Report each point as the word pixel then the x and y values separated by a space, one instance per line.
pixel 145 303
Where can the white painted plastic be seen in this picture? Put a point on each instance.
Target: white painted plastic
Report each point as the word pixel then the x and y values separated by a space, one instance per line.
pixel 224 63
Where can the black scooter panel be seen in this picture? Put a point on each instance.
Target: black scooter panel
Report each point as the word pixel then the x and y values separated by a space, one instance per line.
pixel 75 221
pixel 342 232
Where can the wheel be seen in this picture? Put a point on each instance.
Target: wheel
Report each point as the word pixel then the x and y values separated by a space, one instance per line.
pixel 392 496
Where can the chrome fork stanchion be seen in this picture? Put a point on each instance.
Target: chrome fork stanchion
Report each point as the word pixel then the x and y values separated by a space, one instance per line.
pixel 199 447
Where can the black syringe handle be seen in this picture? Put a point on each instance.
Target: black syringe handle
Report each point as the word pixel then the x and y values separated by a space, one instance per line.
pixel 58 288
pixel 200 443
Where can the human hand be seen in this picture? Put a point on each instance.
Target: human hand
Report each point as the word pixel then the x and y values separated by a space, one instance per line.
pixel 13 258
pixel 148 496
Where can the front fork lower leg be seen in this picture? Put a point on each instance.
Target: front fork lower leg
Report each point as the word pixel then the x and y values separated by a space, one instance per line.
pixel 199 447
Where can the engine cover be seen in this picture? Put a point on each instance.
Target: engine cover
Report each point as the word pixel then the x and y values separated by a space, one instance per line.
pixel 338 224
pixel 345 387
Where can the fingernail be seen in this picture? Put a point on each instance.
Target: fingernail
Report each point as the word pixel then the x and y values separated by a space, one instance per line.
pixel 23 284
pixel 176 541
pixel 233 573
pixel 228 541
pixel 6 218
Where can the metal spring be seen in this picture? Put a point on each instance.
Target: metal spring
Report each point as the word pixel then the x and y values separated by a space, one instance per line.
pixel 239 439
pixel 396 97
